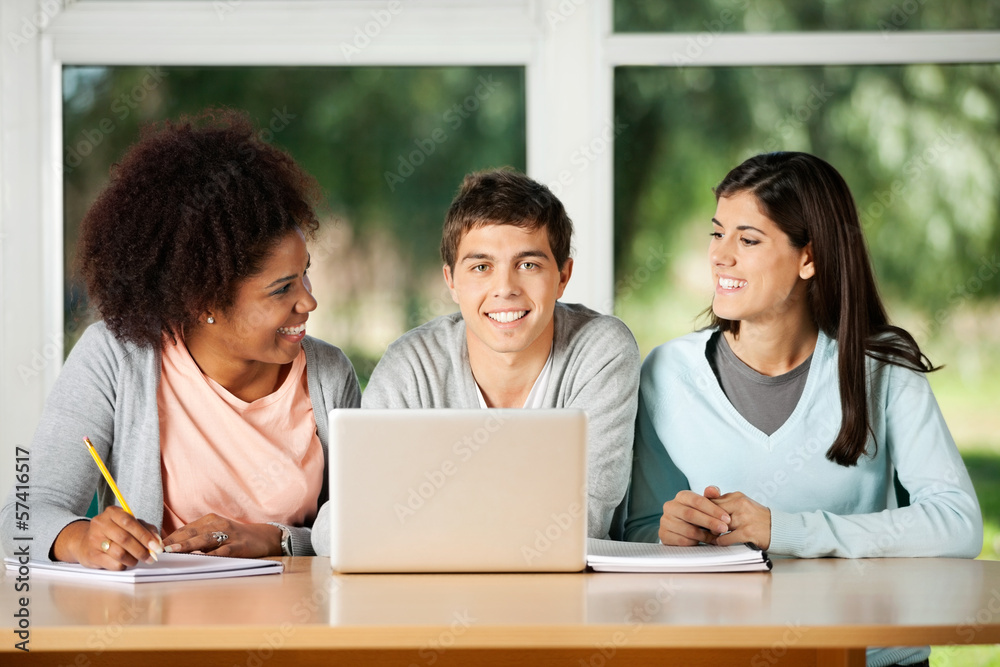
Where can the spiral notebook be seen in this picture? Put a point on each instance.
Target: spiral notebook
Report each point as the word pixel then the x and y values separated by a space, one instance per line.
pixel 170 567
pixel 610 556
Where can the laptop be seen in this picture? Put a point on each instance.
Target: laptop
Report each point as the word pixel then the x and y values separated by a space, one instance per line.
pixel 458 490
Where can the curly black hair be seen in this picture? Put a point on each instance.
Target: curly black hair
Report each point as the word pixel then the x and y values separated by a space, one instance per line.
pixel 192 210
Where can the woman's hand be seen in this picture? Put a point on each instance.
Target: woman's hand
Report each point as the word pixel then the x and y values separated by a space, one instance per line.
pixel 112 540
pixel 691 518
pixel 750 521
pixel 223 537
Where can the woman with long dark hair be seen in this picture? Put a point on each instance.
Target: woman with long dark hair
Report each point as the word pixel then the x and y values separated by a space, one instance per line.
pixel 786 422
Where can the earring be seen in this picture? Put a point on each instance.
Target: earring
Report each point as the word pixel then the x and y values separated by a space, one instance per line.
pixel 210 320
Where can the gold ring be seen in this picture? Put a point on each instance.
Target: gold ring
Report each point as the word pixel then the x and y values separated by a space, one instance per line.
pixel 105 545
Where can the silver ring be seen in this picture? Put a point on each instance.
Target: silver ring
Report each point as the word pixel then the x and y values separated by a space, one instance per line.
pixel 219 537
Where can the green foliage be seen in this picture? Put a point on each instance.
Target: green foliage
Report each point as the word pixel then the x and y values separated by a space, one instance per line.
pixel 715 16
pixel 965 656
pixel 389 145
pixel 919 146
pixel 984 468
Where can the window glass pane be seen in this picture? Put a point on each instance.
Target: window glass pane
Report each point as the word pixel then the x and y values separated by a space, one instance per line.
pixel 920 148
pixel 777 15
pixel 388 145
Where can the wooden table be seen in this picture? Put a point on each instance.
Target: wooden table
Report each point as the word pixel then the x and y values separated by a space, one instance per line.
pixel 805 612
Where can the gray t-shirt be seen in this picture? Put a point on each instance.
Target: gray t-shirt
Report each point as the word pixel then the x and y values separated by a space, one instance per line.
pixel 763 400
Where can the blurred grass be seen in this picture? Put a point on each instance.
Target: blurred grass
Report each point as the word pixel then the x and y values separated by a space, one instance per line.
pixel 965 656
pixel 968 391
pixel 984 468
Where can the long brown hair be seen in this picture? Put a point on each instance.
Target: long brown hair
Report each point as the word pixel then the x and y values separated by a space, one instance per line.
pixel 810 202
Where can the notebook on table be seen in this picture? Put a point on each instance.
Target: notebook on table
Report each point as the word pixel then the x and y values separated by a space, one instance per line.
pixel 169 567
pixel 608 556
pixel 458 490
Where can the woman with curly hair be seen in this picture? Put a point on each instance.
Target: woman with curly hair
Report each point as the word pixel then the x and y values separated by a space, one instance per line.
pixel 199 387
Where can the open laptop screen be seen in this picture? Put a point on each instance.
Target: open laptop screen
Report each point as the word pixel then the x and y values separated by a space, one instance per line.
pixel 458 490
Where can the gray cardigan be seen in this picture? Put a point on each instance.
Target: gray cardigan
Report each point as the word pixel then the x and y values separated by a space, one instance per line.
pixel 595 367
pixel 107 391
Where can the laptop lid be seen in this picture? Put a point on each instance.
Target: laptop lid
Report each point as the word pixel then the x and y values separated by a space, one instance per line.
pixel 458 490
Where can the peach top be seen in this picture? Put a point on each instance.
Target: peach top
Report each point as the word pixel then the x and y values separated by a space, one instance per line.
pixel 249 462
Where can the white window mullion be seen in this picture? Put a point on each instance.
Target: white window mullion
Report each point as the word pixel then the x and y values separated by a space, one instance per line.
pixel 51 177
pixel 571 133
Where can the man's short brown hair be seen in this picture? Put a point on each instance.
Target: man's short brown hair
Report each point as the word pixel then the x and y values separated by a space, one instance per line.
pixel 505 197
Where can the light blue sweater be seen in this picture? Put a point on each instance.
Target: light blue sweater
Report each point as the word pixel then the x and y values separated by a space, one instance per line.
pixel 689 436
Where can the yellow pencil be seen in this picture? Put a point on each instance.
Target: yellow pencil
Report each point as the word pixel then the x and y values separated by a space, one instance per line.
pixel 111 482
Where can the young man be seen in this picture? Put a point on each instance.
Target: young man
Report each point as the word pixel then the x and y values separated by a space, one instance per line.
pixel 506 247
